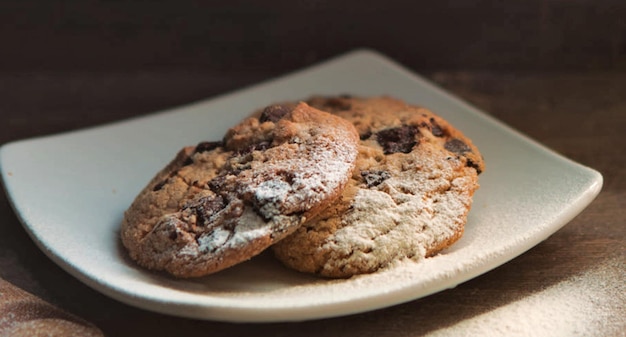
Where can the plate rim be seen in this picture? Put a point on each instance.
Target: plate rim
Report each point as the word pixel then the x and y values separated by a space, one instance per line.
pixel 296 313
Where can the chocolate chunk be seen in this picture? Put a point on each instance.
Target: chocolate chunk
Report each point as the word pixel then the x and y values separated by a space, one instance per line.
pixel 400 139
pixel 207 208
pixel 261 146
pixel 457 146
pixel 207 146
pixel 436 130
pixel 188 161
pixel 365 135
pixel 217 183
pixel 274 113
pixel 374 178
pixel 470 163
pixel 159 186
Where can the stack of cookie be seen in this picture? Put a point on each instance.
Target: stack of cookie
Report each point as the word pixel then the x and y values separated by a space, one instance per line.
pixel 336 186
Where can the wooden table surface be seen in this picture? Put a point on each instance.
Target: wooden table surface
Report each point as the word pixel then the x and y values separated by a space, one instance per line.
pixel 573 283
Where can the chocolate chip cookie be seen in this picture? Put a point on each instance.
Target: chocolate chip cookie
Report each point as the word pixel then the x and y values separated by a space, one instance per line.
pixel 408 197
pixel 220 203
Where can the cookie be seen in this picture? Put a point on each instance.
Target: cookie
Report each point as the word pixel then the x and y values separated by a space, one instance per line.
pixel 220 203
pixel 408 197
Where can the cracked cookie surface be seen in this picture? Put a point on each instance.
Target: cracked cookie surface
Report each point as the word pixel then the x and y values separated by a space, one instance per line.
pixel 220 203
pixel 408 196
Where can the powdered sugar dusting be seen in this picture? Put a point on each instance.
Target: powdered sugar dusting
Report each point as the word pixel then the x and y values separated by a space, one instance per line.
pixel 405 216
pixel 328 169
pixel 248 229
pixel 258 191
pixel 316 171
pixel 213 240
pixel 220 239
pixel 271 194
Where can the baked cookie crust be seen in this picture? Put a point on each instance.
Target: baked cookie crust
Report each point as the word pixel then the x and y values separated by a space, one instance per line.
pixel 408 197
pixel 220 203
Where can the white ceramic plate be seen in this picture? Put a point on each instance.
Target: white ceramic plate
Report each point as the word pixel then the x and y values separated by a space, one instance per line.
pixel 70 191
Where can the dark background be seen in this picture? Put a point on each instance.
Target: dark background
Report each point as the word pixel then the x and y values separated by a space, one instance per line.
pixel 109 60
pixel 274 36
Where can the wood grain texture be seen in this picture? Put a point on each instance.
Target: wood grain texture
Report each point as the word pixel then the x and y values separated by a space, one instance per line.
pixel 25 315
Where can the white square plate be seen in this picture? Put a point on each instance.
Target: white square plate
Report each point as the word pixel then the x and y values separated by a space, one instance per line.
pixel 70 191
